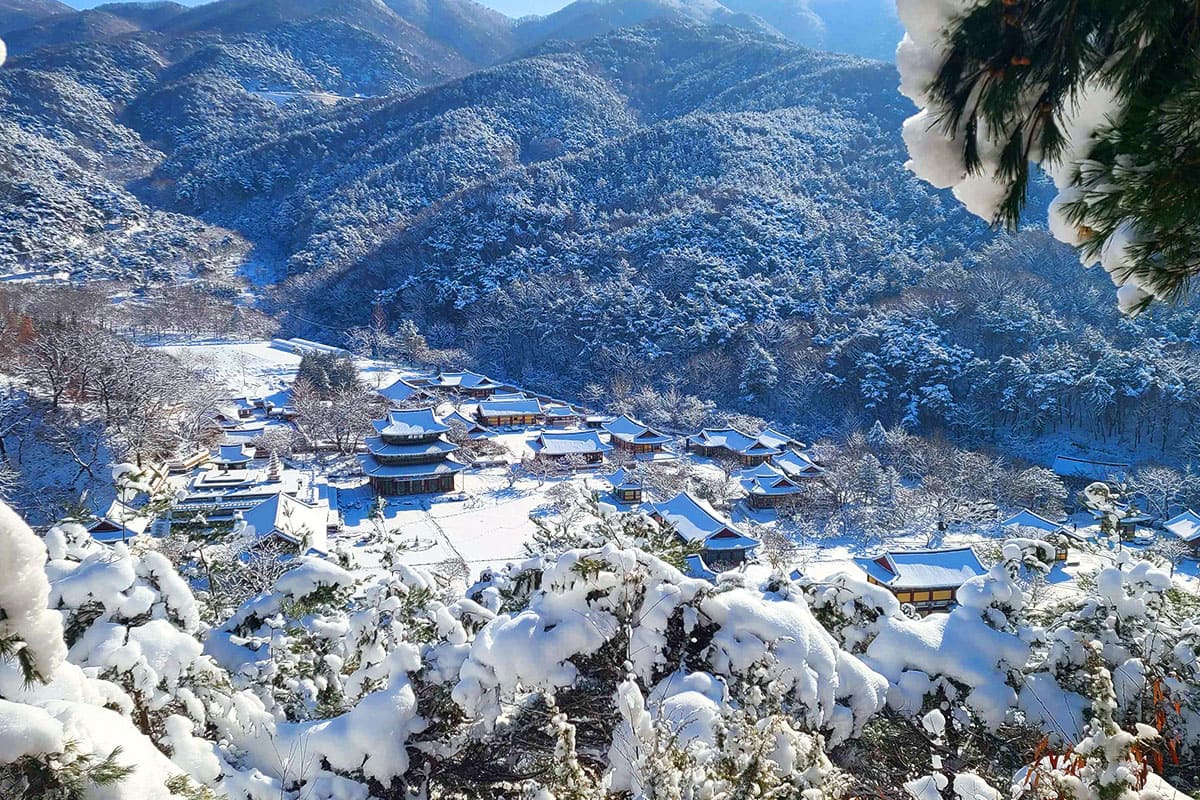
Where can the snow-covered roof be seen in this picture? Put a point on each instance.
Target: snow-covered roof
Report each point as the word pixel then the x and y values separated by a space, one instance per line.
pixel 399 391
pixel 694 520
pixel 378 447
pixel 561 412
pixel 1130 515
pixel 734 441
pixel 289 518
pixel 696 568
pixel 773 438
pixel 1028 519
pixel 464 380
pixel 233 453
pixel 624 479
pixel 508 396
pixel 228 409
pixel 411 423
pixel 1185 526
pixel 763 470
pixel 571 443
pixel 1071 467
pixel 796 464
pixel 766 480
pixel 409 471
pixel 923 569
pixel 528 406
pixel 628 429
pixel 117 522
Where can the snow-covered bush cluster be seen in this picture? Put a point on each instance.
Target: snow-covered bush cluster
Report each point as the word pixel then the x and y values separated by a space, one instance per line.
pixel 602 671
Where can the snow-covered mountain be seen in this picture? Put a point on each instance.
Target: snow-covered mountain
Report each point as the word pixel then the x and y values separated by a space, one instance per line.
pixel 718 203
pixel 859 27
pixel 17 14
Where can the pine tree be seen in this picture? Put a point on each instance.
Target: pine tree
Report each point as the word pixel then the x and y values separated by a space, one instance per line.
pixel 1101 93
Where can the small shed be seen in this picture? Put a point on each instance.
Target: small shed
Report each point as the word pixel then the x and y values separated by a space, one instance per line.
pixel 626 485
pixel 1186 528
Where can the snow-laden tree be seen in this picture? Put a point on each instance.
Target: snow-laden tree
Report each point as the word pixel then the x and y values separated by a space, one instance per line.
pixel 1102 95
pixel 597 671
pixel 61 738
pixel 1147 637
pixel 320 640
pixel 128 615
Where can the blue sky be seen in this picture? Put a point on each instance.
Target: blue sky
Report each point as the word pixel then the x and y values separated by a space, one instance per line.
pixel 519 8
pixel 514 8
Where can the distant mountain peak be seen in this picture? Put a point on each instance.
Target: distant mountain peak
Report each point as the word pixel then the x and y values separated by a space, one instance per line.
pixel 17 14
pixel 858 27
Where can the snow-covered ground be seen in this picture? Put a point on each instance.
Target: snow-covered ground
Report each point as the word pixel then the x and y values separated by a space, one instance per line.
pixel 486 525
pixel 261 368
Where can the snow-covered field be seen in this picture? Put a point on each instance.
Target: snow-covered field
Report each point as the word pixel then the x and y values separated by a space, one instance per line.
pixel 259 368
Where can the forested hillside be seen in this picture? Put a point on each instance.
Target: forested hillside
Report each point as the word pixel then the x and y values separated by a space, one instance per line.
pixel 17 14
pixel 733 219
pixel 676 204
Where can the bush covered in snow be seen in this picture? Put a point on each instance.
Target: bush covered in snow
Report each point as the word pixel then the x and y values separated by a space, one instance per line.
pixel 600 671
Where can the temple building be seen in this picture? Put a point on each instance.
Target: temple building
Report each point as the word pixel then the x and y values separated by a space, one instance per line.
pixel 410 455
pixel 561 415
pixel 767 486
pixel 722 546
pixel 626 485
pixel 1186 528
pixel 300 524
pixel 929 580
pixel 797 465
pixel 400 392
pixel 471 384
pixel 632 436
pixel 732 443
pixel 510 411
pixel 232 456
pixel 586 444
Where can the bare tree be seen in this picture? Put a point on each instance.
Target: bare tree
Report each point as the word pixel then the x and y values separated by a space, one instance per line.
pixel 1034 487
pixel 1159 488
pixel 277 439
pixel 776 546
pixel 957 479
pixel 15 413
pixel 664 480
pixel 726 487
pixel 10 480
pixel 1172 550
pixel 470 449
pixel 50 360
pixel 240 570
pixel 543 469
pixel 342 419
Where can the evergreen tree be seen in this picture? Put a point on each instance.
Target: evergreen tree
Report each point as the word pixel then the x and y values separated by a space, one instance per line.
pixel 760 375
pixel 328 373
pixel 1101 94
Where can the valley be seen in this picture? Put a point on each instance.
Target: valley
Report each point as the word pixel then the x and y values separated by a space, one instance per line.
pixel 641 400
